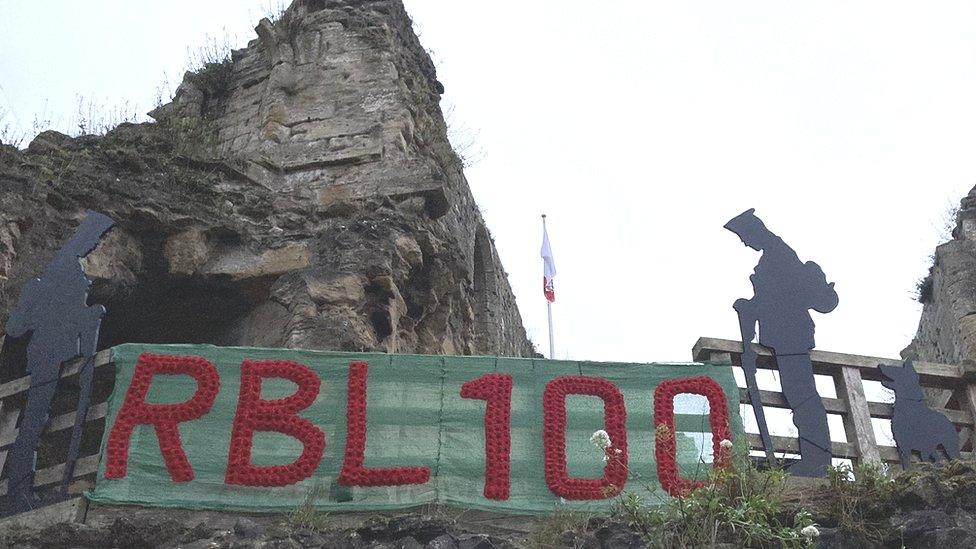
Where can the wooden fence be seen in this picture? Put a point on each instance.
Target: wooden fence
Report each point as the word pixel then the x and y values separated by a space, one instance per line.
pixel 52 450
pixel 950 389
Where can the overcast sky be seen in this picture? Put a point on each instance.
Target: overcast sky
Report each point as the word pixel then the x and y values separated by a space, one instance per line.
pixel 640 128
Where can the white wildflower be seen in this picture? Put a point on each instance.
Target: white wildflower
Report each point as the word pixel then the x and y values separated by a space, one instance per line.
pixel 810 532
pixel 726 444
pixel 601 439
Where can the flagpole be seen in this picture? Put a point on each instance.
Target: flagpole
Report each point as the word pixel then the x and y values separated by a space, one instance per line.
pixel 552 347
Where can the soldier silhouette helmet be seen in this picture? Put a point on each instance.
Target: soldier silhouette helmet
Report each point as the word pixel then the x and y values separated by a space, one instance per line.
pixel 85 241
pixel 750 229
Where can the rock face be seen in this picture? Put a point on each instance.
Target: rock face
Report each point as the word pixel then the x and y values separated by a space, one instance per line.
pixel 947 329
pixel 406 532
pixel 302 194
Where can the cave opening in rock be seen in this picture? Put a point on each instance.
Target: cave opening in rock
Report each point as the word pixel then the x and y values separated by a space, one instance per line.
pixel 157 306
pixel 191 310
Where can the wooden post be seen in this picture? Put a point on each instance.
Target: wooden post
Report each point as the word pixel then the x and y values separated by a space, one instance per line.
pixel 8 429
pixel 857 421
pixel 968 373
pixel 720 357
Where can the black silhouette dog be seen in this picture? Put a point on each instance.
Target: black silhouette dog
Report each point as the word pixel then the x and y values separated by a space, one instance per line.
pixel 916 427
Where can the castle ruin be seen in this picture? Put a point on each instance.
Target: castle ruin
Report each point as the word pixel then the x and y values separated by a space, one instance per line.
pixel 301 194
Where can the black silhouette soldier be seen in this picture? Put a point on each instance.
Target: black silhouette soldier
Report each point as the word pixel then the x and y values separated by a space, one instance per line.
pixel 916 427
pixel 785 290
pixel 54 311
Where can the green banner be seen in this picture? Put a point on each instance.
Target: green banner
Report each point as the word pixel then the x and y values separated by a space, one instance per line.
pixel 416 417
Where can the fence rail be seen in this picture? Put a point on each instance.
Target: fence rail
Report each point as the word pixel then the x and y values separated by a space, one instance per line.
pixel 950 389
pixel 13 398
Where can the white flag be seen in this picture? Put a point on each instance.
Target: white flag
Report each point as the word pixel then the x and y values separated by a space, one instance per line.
pixel 548 267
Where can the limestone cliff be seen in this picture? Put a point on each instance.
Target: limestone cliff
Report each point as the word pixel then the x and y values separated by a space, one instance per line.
pixel 947 329
pixel 301 194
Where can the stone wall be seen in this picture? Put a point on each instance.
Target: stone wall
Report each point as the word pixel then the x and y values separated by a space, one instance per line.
pixel 335 100
pixel 302 194
pixel 947 328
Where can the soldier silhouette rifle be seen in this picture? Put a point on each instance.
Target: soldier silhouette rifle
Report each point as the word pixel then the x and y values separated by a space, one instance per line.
pixel 785 289
pixel 54 312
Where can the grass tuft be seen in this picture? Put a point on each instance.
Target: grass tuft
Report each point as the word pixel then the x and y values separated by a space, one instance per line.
pixel 552 533
pixel 307 516
pixel 740 505
pixel 860 501
pixel 211 69
pixel 98 119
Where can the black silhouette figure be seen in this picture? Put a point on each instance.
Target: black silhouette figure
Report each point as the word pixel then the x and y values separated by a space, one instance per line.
pixel 53 310
pixel 916 427
pixel 785 290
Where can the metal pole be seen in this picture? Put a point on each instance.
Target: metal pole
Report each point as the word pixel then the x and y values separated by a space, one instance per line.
pixel 552 347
